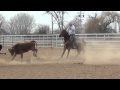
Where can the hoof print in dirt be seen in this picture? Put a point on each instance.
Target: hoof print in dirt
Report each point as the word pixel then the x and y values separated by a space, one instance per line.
pixel 79 63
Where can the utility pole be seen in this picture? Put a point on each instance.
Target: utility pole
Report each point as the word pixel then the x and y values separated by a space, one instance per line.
pixel 52 23
pixel 62 18
pixel 52 32
pixel 80 15
pixel 80 21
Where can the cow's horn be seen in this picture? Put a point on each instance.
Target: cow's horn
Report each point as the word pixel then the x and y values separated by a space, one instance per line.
pixel 7 49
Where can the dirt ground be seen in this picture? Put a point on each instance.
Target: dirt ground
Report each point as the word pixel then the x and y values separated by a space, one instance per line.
pixel 97 64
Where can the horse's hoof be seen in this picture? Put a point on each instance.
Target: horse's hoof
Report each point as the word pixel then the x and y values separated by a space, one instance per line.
pixel 80 63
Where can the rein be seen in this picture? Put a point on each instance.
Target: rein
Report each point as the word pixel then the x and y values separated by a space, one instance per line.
pixel 67 41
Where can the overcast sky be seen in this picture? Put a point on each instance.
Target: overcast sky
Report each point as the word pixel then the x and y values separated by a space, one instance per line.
pixel 42 18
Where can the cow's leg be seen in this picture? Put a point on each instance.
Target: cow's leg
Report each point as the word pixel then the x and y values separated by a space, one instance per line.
pixel 3 53
pixel 21 56
pixel 14 56
pixel 33 53
pixel 36 52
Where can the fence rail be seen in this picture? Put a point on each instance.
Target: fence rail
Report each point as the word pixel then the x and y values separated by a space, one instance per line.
pixel 97 40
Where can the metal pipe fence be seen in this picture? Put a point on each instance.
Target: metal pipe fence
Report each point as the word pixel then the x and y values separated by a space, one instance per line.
pixel 54 41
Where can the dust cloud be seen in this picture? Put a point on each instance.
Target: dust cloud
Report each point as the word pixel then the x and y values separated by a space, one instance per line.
pixel 106 55
pixel 92 56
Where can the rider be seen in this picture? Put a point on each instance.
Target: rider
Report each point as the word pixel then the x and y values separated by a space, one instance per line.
pixel 71 31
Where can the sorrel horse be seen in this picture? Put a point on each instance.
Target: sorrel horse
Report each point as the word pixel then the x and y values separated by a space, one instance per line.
pixel 79 43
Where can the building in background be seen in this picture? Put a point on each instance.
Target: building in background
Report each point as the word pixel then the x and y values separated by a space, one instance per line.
pixel 114 26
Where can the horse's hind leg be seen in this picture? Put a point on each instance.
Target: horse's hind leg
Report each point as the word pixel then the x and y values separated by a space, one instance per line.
pixel 78 51
pixel 78 54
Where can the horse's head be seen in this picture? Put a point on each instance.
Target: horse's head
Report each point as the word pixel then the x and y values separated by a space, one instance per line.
pixel 63 33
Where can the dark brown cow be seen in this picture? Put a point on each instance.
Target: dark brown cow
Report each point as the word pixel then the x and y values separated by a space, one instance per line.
pixel 21 48
pixel 1 49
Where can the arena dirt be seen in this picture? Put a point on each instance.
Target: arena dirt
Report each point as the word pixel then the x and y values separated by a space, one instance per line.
pixel 52 55
pixel 97 63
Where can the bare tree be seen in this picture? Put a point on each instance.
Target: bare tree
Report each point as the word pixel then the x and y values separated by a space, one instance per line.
pixel 99 24
pixel 105 19
pixel 91 25
pixel 59 17
pixel 76 23
pixel 22 23
pixel 2 25
pixel 42 29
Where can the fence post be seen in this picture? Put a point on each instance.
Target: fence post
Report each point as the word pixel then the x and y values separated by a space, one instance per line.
pixel 104 37
pixel 24 38
pixel 12 40
pixel 3 41
pixel 0 39
pixel 52 41
pixel 31 37
pixel 39 41
pixel 56 41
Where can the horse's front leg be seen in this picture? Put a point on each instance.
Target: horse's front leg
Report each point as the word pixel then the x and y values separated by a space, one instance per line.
pixel 68 52
pixel 63 52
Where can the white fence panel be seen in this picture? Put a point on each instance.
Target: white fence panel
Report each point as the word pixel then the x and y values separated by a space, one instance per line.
pixel 98 40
